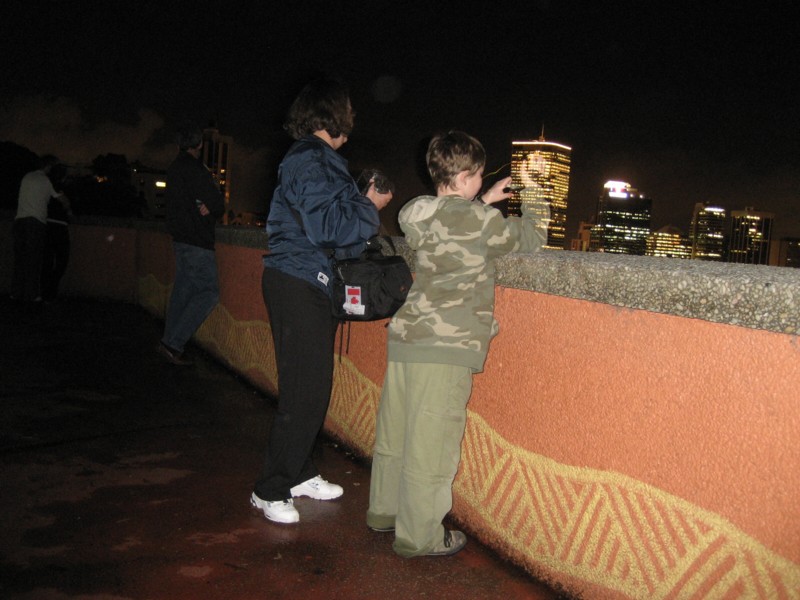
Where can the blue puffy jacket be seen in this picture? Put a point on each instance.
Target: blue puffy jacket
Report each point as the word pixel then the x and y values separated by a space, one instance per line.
pixel 315 187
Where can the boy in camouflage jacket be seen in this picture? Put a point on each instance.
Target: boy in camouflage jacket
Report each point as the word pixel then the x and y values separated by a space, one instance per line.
pixel 437 340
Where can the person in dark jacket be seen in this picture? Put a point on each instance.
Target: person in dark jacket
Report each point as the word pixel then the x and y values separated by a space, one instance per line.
pixel 316 209
pixel 193 205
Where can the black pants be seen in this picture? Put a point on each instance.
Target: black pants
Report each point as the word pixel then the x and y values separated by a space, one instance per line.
pixel 29 239
pixel 303 331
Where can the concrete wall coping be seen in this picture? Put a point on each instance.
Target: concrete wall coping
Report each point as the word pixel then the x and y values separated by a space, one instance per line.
pixel 758 297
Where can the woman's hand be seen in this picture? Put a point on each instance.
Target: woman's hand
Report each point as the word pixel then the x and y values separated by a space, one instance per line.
pixel 497 192
pixel 378 199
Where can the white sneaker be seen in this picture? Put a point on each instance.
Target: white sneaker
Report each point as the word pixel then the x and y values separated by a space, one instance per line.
pixel 317 488
pixel 280 511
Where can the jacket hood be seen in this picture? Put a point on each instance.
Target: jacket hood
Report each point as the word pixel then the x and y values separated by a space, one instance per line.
pixel 417 216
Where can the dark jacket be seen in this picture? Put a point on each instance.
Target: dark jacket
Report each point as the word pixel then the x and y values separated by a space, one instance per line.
pixel 188 180
pixel 316 208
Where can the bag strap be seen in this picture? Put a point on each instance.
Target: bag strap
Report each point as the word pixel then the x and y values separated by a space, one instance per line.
pixel 332 253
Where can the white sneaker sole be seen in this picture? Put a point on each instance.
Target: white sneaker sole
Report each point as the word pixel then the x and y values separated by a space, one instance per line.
pixel 282 517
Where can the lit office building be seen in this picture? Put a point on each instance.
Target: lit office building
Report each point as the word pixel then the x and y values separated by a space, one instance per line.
pixel 216 156
pixel 622 221
pixel 668 242
pixel 542 168
pixel 707 232
pixel 750 235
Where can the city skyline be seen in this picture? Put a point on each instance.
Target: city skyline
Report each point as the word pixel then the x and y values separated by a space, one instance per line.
pixel 689 103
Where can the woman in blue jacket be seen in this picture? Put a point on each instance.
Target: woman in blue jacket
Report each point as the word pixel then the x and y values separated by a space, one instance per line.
pixel 316 208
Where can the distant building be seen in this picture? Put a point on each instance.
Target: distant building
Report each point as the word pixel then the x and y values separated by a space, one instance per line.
pixel 583 241
pixel 542 168
pixel 151 186
pixel 668 242
pixel 788 253
pixel 707 232
pixel 623 220
pixel 750 236
pixel 216 156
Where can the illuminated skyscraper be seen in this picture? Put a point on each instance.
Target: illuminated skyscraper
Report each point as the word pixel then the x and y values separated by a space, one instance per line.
pixel 750 235
pixel 668 242
pixel 707 232
pixel 623 220
pixel 543 169
pixel 216 156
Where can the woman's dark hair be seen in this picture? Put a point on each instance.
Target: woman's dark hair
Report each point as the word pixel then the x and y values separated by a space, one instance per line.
pixel 322 104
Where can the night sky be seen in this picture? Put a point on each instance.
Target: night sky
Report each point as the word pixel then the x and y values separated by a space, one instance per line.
pixel 688 102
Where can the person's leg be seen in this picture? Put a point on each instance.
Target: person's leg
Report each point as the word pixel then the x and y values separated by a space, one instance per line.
pixel 29 239
pixel 435 421
pixel 195 293
pixel 35 248
pixel 303 332
pixel 18 276
pixel 387 458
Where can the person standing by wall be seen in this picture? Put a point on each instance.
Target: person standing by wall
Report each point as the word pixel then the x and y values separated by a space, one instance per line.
pixel 193 205
pixel 29 230
pixel 437 340
pixel 316 209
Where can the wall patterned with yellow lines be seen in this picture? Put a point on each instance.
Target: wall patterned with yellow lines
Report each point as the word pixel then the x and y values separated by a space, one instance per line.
pixel 588 515
pixel 246 347
pixel 609 530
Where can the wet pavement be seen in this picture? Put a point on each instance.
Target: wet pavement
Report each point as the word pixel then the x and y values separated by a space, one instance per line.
pixel 126 477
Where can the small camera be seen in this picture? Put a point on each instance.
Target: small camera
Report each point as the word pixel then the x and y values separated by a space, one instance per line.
pixel 377 178
pixel 514 187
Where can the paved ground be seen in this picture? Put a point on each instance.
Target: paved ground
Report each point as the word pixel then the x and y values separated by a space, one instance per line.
pixel 125 477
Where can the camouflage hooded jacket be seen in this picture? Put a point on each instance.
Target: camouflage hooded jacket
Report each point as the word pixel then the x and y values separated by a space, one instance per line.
pixel 448 316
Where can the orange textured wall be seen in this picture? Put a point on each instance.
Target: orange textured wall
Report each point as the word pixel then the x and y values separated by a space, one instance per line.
pixel 705 411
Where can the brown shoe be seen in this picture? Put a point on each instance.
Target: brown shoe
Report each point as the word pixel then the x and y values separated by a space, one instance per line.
pixel 172 356
pixel 453 541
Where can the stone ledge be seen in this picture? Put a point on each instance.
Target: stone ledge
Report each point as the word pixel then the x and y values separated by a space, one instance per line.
pixel 758 297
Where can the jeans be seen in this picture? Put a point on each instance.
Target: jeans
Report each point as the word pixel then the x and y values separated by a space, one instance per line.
pixel 194 294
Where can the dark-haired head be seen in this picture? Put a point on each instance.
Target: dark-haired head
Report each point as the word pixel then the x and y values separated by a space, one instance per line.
pixel 323 104
pixel 188 135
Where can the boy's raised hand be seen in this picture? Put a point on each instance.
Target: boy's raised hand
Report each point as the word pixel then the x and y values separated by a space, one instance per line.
pixel 497 192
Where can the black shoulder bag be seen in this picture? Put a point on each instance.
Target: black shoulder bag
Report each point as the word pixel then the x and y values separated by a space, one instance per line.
pixel 370 287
